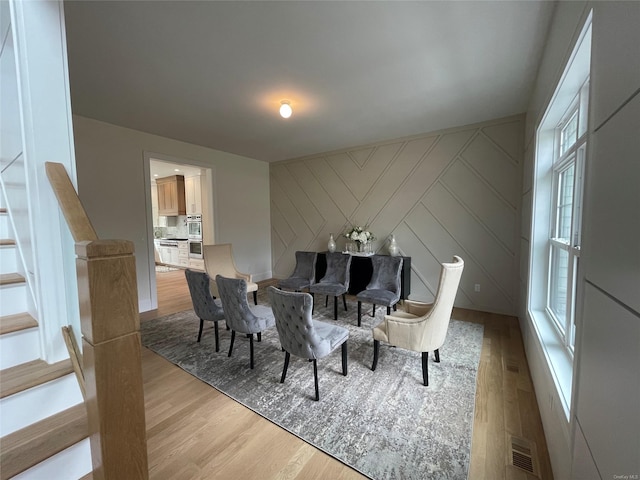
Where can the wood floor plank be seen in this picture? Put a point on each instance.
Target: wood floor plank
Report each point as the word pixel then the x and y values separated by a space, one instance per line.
pixel 196 432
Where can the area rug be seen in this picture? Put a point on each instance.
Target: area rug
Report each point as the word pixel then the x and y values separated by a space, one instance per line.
pixel 385 424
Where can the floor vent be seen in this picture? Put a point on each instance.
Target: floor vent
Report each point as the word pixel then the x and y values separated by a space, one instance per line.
pixel 511 365
pixel 523 455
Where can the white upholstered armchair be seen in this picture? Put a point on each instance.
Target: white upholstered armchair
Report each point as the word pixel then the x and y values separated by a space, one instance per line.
pixel 422 327
pixel 218 260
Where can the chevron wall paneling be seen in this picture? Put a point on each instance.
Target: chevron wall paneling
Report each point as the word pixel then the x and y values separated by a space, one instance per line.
pixel 445 193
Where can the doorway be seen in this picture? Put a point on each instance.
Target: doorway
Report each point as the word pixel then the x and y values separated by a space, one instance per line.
pixel 168 231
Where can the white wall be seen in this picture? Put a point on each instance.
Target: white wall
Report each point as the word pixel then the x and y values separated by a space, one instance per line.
pixel 442 193
pixel 602 439
pixel 111 183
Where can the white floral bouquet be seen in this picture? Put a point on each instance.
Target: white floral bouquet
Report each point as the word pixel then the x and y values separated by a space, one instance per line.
pixel 360 235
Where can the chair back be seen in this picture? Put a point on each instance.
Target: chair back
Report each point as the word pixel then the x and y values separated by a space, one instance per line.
pixel 203 303
pixel 298 335
pixel 305 266
pixel 238 314
pixel 218 260
pixel 386 273
pixel 440 314
pixel 338 265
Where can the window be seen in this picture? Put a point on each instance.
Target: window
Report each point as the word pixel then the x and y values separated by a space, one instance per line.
pixel 557 193
pixel 564 235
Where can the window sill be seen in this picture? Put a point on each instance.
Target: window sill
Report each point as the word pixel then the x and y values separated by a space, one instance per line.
pixel 558 358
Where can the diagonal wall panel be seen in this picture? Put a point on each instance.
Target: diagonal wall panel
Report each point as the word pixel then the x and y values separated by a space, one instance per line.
pixel 440 194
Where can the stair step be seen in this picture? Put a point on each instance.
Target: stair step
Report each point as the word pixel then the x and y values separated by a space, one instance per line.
pixel 10 278
pixel 22 377
pixel 17 322
pixel 31 445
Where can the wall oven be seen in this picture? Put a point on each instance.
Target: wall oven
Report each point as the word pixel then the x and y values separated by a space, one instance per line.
pixel 194 227
pixel 195 249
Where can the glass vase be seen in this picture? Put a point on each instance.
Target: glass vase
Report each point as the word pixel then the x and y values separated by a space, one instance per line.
pixel 393 247
pixel 331 246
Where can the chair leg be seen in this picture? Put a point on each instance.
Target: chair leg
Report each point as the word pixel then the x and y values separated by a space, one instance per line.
pixel 425 368
pixel 373 311
pixel 251 351
pixel 215 327
pixel 359 313
pixel 287 355
pixel 344 301
pixel 335 308
pixel 344 358
pixel 437 354
pixel 200 332
pixel 326 301
pixel 388 310
pixel 233 337
pixel 315 378
pixel 376 347
pixel 259 335
pixel 313 302
pixel 255 297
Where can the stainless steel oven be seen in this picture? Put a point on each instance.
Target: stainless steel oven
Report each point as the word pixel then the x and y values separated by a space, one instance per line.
pixel 194 227
pixel 195 249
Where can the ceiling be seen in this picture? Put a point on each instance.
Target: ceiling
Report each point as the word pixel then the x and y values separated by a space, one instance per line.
pixel 160 169
pixel 214 73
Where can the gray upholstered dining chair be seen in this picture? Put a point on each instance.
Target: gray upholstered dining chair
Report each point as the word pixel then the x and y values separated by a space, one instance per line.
pixel 302 336
pixel 304 274
pixel 335 281
pixel 204 305
pixel 240 317
pixel 423 327
pixel 384 286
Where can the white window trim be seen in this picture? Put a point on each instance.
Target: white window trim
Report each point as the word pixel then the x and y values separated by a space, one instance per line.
pixel 571 88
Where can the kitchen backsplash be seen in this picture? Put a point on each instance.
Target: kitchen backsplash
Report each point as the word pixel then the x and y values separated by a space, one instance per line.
pixel 171 227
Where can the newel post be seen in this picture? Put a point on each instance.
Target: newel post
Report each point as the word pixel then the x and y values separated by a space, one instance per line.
pixel 111 347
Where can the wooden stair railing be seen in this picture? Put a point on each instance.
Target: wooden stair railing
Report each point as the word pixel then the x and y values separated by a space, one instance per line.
pixel 110 324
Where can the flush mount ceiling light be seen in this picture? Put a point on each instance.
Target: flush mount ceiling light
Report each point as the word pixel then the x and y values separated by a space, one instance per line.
pixel 285 109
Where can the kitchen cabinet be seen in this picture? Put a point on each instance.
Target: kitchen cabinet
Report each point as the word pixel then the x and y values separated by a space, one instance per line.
pixel 171 197
pixel 183 254
pixel 176 254
pixel 193 193
pixel 196 263
pixel 154 204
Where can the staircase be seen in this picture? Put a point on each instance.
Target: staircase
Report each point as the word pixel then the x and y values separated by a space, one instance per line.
pixel 43 420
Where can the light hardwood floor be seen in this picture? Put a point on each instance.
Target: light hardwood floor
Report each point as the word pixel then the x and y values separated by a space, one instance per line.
pixel 195 432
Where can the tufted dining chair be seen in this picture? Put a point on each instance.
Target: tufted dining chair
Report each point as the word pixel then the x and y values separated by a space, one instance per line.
pixel 302 336
pixel 304 274
pixel 384 286
pixel 218 260
pixel 335 281
pixel 423 327
pixel 240 317
pixel 204 306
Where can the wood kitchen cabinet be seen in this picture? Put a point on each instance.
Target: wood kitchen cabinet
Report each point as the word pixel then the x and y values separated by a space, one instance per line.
pixel 193 192
pixel 171 198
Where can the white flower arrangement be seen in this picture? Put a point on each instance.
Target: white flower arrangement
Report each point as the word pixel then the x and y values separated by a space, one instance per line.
pixel 360 234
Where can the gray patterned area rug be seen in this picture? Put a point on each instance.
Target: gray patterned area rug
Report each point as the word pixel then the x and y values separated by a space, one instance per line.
pixel 385 424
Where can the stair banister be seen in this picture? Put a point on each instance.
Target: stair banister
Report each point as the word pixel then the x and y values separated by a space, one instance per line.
pixel 110 326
